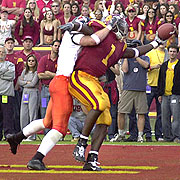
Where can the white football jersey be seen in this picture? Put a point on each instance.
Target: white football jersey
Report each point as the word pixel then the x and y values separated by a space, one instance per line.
pixel 68 53
pixel 5 30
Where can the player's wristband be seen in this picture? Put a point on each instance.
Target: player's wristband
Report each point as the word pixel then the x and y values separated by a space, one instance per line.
pixel 96 38
pixel 80 27
pixel 136 52
pixel 154 44
pixel 109 27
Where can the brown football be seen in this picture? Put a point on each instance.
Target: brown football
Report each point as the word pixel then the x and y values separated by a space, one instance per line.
pixel 165 31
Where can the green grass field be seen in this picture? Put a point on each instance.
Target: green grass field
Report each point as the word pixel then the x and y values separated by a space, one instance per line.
pixel 67 140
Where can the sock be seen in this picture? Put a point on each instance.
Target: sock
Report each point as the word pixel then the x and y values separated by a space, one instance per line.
pixel 49 141
pixel 140 133
pixel 121 132
pixel 33 127
pixel 93 152
pixel 83 139
pixel 38 156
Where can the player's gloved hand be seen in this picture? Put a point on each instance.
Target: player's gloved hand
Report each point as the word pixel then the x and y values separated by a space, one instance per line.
pixel 157 41
pixel 67 27
pixel 113 21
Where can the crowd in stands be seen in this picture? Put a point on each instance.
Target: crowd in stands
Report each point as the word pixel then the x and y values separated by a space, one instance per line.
pixel 35 23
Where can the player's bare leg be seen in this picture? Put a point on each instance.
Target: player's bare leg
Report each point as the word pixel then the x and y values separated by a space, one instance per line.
pixel 97 140
pixel 80 148
pixel 98 136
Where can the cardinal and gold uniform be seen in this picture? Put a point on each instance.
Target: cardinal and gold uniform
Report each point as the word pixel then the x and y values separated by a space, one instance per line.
pixel 90 65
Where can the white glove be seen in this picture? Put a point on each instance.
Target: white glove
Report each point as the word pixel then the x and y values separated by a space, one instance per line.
pixel 67 27
pixel 157 41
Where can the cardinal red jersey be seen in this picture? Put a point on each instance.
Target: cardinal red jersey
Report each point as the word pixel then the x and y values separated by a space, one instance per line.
pixel 133 26
pixel 150 28
pixel 95 60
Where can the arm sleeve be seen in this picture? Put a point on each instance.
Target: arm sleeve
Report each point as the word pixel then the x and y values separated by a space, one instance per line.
pixel 41 66
pixel 16 32
pixel 23 4
pixel 36 33
pixel 21 80
pixel 77 37
pixel 33 82
pixel 10 73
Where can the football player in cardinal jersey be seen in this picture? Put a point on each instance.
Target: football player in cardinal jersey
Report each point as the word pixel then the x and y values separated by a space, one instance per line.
pixel 84 85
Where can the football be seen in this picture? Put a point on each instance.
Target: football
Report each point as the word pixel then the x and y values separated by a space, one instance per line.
pixel 165 31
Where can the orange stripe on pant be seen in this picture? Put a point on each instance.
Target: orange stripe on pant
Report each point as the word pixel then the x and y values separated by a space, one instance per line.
pixel 60 105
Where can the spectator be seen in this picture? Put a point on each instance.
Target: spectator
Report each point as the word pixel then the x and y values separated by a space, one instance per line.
pixel 169 95
pixel 55 7
pixel 14 8
pixel 135 29
pixel 163 8
pixel 44 5
pixel 134 94
pixel 138 2
pixel 145 8
pixel 157 57
pixel 48 29
pixel 110 87
pixel 7 75
pixel 67 17
pixel 85 11
pixel 19 65
pixel 75 9
pixel 137 8
pixel 133 130
pixel 98 14
pixel 6 27
pixel 76 121
pixel 32 4
pixel 175 10
pixel 27 27
pixel 124 3
pixel 27 49
pixel 87 3
pixel 46 71
pixel 100 4
pixel 163 2
pixel 117 6
pixel 30 97
pixel 149 27
pixel 169 18
pixel 169 2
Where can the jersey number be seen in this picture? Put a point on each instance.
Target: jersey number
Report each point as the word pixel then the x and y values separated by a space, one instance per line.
pixel 105 60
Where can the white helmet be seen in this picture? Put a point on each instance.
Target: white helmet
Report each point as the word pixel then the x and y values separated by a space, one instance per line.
pixel 81 19
pixel 121 27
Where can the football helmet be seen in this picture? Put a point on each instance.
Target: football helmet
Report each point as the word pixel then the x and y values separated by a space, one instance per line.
pixel 81 19
pixel 121 27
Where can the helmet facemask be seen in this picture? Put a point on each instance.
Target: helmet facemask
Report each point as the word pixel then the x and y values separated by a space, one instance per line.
pixel 121 28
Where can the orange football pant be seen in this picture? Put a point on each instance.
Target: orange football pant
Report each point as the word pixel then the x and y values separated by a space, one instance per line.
pixel 60 105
